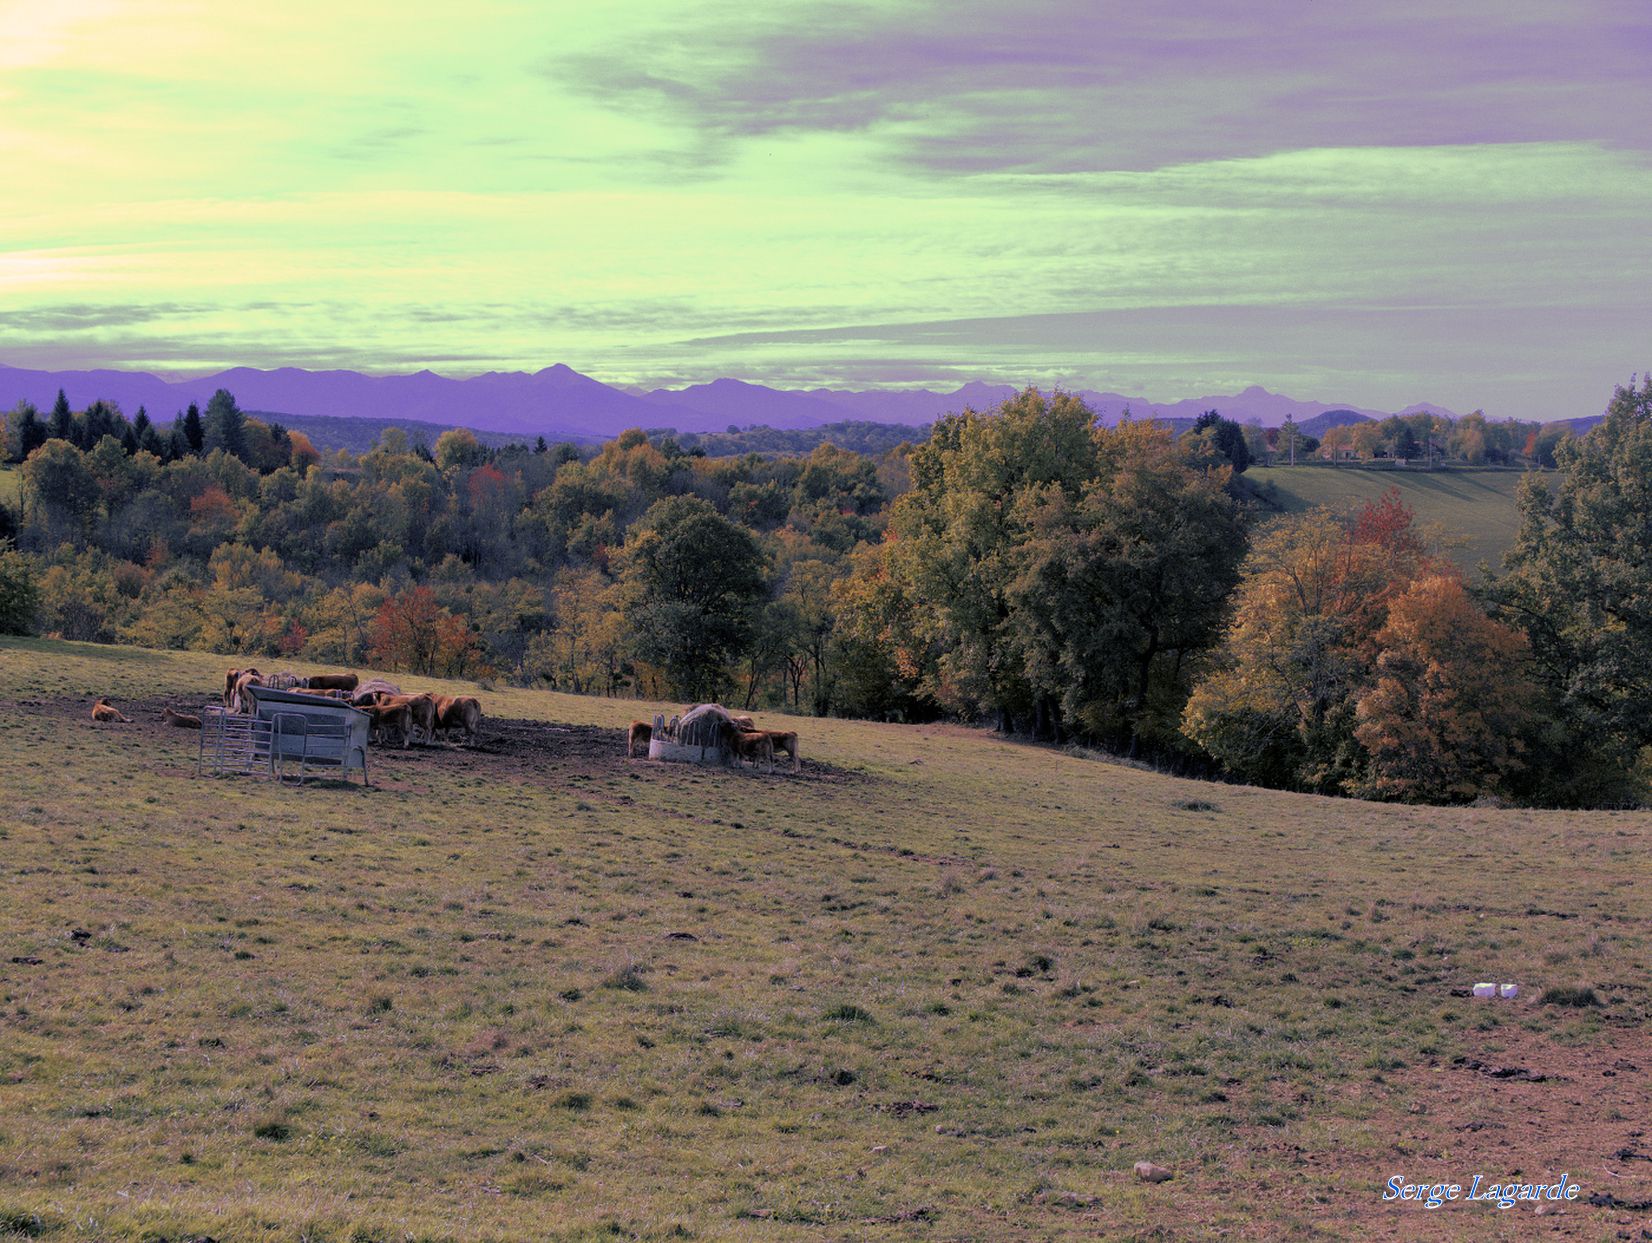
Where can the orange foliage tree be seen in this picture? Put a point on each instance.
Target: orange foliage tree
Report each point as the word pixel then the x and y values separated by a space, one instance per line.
pixel 1358 663
pixel 1443 720
pixel 411 631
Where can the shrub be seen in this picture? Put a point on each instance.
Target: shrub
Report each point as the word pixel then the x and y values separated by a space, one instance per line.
pixel 1571 995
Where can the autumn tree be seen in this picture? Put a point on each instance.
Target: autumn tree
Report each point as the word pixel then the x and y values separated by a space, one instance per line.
pixel 412 631
pixel 1446 714
pixel 1277 704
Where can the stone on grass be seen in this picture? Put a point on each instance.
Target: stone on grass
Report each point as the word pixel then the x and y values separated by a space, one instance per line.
pixel 1150 1173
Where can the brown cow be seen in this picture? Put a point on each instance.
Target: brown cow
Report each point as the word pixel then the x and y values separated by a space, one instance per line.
pixel 744 722
pixel 230 680
pixel 422 707
pixel 105 714
pixel 183 720
pixel 391 721
pixel 239 700
pixel 752 745
pixel 462 712
pixel 641 731
pixel 783 740
pixel 332 682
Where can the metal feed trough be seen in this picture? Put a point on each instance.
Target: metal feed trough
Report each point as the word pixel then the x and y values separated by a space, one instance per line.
pixel 285 736
pixel 699 737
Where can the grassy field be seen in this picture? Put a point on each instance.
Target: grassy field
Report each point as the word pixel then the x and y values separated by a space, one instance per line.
pixel 936 986
pixel 1474 510
pixel 10 486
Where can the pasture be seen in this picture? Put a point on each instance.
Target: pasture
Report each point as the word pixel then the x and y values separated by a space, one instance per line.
pixel 1475 510
pixel 937 986
pixel 11 486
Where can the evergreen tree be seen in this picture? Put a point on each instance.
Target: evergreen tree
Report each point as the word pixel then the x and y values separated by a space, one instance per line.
pixel 194 434
pixel 62 425
pixel 29 433
pixel 224 425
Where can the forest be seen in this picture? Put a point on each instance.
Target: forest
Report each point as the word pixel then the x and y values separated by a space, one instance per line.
pixel 1069 582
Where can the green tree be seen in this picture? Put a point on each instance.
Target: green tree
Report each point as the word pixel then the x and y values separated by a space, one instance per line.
pixel 1055 574
pixel 19 592
pixel 1579 583
pixel 976 484
pixel 63 490
pixel 224 426
pixel 1226 437
pixel 1118 590
pixel 458 448
pixel 25 432
pixel 693 584
pixel 194 433
pixel 62 424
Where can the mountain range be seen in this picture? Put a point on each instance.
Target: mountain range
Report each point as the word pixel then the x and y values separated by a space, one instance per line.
pixel 560 403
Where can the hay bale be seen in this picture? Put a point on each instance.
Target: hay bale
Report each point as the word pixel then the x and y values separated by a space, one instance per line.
pixel 704 725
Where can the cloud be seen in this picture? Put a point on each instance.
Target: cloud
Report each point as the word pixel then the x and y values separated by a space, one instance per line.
pixel 969 86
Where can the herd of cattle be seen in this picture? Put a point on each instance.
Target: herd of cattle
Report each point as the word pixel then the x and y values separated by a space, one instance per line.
pixel 738 735
pixel 398 719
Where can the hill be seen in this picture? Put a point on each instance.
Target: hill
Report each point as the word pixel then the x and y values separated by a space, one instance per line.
pixel 1474 509
pixel 937 984
pixel 559 403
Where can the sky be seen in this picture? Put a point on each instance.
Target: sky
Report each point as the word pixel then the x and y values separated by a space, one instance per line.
pixel 1379 203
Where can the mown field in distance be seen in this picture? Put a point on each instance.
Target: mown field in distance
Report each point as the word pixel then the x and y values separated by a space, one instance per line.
pixel 1473 509
pixel 10 485
pixel 938 986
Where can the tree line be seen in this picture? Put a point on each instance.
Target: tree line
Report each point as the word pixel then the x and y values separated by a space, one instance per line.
pixel 1071 582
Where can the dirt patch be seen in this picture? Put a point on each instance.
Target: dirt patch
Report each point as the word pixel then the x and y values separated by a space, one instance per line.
pixel 1523 1107
pixel 508 746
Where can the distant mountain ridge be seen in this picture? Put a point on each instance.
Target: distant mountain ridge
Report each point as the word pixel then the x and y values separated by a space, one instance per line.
pixel 560 402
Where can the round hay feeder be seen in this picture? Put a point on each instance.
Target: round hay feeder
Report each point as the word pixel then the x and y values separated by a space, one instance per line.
pixel 699 737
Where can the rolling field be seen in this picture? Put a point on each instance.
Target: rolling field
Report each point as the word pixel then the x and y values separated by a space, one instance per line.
pixel 936 986
pixel 10 486
pixel 1474 509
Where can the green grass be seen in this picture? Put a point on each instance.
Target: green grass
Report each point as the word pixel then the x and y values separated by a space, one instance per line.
pixel 946 987
pixel 1473 510
pixel 11 487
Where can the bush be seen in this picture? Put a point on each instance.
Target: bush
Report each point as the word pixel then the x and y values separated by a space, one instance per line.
pixel 1581 998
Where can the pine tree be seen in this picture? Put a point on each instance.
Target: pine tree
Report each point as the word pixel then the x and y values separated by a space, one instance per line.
pixel 62 426
pixel 194 433
pixel 224 425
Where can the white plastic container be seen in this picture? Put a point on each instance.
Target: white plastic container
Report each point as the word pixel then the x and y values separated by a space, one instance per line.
pixel 1509 991
pixel 1485 990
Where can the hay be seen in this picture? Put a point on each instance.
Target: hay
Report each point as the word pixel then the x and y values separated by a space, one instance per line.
pixel 704 725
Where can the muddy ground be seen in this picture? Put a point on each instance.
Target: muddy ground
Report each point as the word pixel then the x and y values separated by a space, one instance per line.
pixel 512 748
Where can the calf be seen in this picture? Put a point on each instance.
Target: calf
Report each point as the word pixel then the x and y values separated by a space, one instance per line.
pixel 641 731
pixel 391 722
pixel 239 700
pixel 462 713
pixel 106 714
pixel 783 740
pixel 231 680
pixel 183 720
pixel 421 707
pixel 755 745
